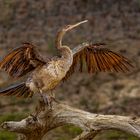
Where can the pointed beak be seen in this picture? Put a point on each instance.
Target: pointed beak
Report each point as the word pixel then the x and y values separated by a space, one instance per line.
pixel 69 27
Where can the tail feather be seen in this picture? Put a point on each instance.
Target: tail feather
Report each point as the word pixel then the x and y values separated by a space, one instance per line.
pixel 19 90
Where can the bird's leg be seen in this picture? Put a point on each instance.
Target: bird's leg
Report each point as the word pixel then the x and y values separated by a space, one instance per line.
pixel 47 99
pixel 52 95
pixel 40 107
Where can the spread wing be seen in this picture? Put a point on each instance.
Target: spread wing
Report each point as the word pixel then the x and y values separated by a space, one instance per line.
pixel 21 61
pixel 95 58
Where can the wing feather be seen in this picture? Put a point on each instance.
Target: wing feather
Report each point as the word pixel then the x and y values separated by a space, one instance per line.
pixel 103 63
pixel 18 90
pixel 97 58
pixel 119 62
pixel 21 60
pixel 104 58
pixel 115 65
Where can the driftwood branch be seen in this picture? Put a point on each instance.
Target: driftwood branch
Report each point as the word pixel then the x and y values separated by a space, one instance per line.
pixel 36 126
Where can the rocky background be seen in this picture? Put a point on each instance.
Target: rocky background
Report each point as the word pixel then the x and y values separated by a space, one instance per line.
pixel 114 22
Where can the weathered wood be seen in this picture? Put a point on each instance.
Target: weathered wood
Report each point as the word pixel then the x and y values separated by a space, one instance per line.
pixel 35 127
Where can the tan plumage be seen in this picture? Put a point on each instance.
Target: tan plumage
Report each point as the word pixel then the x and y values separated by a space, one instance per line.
pixel 46 75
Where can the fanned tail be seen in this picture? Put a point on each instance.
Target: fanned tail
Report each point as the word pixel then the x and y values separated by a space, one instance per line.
pixel 18 90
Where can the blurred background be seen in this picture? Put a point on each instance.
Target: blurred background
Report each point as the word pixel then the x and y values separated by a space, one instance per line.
pixel 114 22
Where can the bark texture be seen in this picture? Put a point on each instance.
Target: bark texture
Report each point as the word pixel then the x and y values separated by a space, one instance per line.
pixel 34 127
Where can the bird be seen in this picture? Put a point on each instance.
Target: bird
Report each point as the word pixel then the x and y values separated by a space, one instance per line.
pixel 46 74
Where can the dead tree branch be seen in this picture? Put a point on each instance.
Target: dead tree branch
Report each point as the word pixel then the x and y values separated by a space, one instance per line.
pixel 35 127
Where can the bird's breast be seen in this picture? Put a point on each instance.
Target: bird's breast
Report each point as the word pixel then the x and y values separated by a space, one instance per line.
pixel 49 76
pixel 56 70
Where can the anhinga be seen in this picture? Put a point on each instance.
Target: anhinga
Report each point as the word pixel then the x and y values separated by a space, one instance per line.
pixel 46 75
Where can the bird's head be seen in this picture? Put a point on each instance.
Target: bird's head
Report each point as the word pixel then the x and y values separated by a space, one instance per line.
pixel 64 30
pixel 69 27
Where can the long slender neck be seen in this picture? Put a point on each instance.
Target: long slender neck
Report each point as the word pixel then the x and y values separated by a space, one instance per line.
pixel 65 51
pixel 61 33
pixel 59 38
